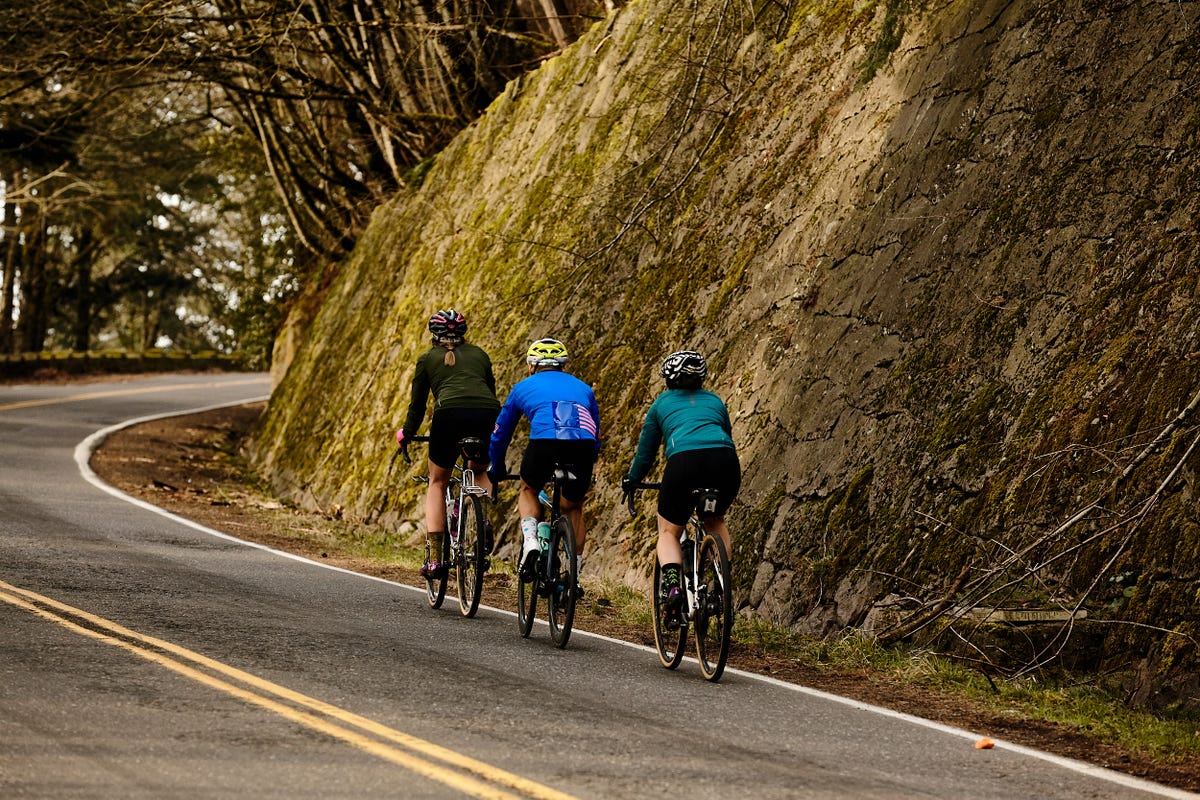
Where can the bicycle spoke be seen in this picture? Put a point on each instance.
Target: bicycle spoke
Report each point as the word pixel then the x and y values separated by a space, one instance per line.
pixel 435 585
pixel 563 578
pixel 470 557
pixel 669 643
pixel 526 599
pixel 714 611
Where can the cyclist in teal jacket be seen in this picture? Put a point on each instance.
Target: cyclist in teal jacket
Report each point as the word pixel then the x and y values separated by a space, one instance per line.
pixel 693 424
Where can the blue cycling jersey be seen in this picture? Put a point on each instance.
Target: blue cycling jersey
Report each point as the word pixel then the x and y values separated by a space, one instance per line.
pixel 558 406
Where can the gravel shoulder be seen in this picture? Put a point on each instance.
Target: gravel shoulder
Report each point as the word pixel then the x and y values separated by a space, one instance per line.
pixel 192 467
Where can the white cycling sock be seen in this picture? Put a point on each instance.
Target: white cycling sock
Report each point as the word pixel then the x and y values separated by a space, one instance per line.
pixel 529 534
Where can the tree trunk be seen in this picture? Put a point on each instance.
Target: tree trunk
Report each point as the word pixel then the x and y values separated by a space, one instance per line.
pixel 84 257
pixel 553 23
pixel 12 250
pixel 33 281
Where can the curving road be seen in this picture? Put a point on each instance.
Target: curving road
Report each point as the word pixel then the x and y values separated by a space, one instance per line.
pixel 145 657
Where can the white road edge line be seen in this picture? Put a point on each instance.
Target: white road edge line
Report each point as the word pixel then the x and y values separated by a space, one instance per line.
pixel 85 449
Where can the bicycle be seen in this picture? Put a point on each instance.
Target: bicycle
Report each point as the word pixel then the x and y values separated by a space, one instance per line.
pixel 708 595
pixel 466 544
pixel 556 572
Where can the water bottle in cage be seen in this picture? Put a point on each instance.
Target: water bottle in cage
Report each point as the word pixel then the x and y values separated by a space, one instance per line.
pixel 689 549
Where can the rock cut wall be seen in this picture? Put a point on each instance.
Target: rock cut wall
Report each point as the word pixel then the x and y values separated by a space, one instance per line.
pixel 942 257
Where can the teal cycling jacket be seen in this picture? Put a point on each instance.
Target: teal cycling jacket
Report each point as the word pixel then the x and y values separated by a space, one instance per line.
pixel 683 419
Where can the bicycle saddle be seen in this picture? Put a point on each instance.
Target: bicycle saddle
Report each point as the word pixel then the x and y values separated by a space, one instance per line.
pixel 474 448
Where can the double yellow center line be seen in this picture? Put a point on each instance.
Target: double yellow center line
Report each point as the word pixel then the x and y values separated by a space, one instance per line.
pixel 460 772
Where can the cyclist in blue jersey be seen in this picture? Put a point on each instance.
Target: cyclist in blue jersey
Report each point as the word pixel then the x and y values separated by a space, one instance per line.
pixel 693 425
pixel 564 428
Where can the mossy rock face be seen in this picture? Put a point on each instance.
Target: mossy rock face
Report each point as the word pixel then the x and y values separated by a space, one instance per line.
pixel 943 259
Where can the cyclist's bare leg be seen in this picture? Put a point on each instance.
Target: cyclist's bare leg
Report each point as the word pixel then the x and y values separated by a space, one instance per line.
pixel 574 512
pixel 435 498
pixel 669 551
pixel 527 502
pixel 717 525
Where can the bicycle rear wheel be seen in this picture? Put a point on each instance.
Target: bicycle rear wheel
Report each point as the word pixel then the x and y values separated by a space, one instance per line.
pixel 669 643
pixel 435 585
pixel 714 611
pixel 563 574
pixel 470 556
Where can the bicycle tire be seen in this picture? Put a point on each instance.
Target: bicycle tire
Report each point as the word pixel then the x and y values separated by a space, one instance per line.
pixel 526 598
pixel 713 622
pixel 563 575
pixel 669 644
pixel 435 587
pixel 470 556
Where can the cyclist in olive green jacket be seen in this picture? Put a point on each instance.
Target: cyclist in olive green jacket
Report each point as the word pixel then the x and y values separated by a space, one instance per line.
pixel 464 394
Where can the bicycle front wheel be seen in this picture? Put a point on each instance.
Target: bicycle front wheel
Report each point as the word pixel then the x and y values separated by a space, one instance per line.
pixel 526 598
pixel 470 556
pixel 714 607
pixel 669 643
pixel 563 575
pixel 435 584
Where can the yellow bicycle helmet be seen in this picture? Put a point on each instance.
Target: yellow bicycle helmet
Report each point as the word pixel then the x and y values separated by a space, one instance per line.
pixel 546 353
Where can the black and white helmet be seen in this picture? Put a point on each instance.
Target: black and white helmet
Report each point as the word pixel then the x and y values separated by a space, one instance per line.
pixel 682 364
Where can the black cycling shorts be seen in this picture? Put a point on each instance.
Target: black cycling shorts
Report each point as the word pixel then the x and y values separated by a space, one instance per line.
pixel 451 424
pixel 576 455
pixel 712 468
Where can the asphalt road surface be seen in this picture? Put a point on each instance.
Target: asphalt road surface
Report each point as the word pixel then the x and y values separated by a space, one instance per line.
pixel 145 657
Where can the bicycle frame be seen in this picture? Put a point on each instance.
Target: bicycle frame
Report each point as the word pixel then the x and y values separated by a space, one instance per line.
pixel 707 608
pixel 462 477
pixel 556 576
pixel 690 539
pixel 464 501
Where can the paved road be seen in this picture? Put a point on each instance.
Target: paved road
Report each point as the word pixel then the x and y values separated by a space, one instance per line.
pixel 141 657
